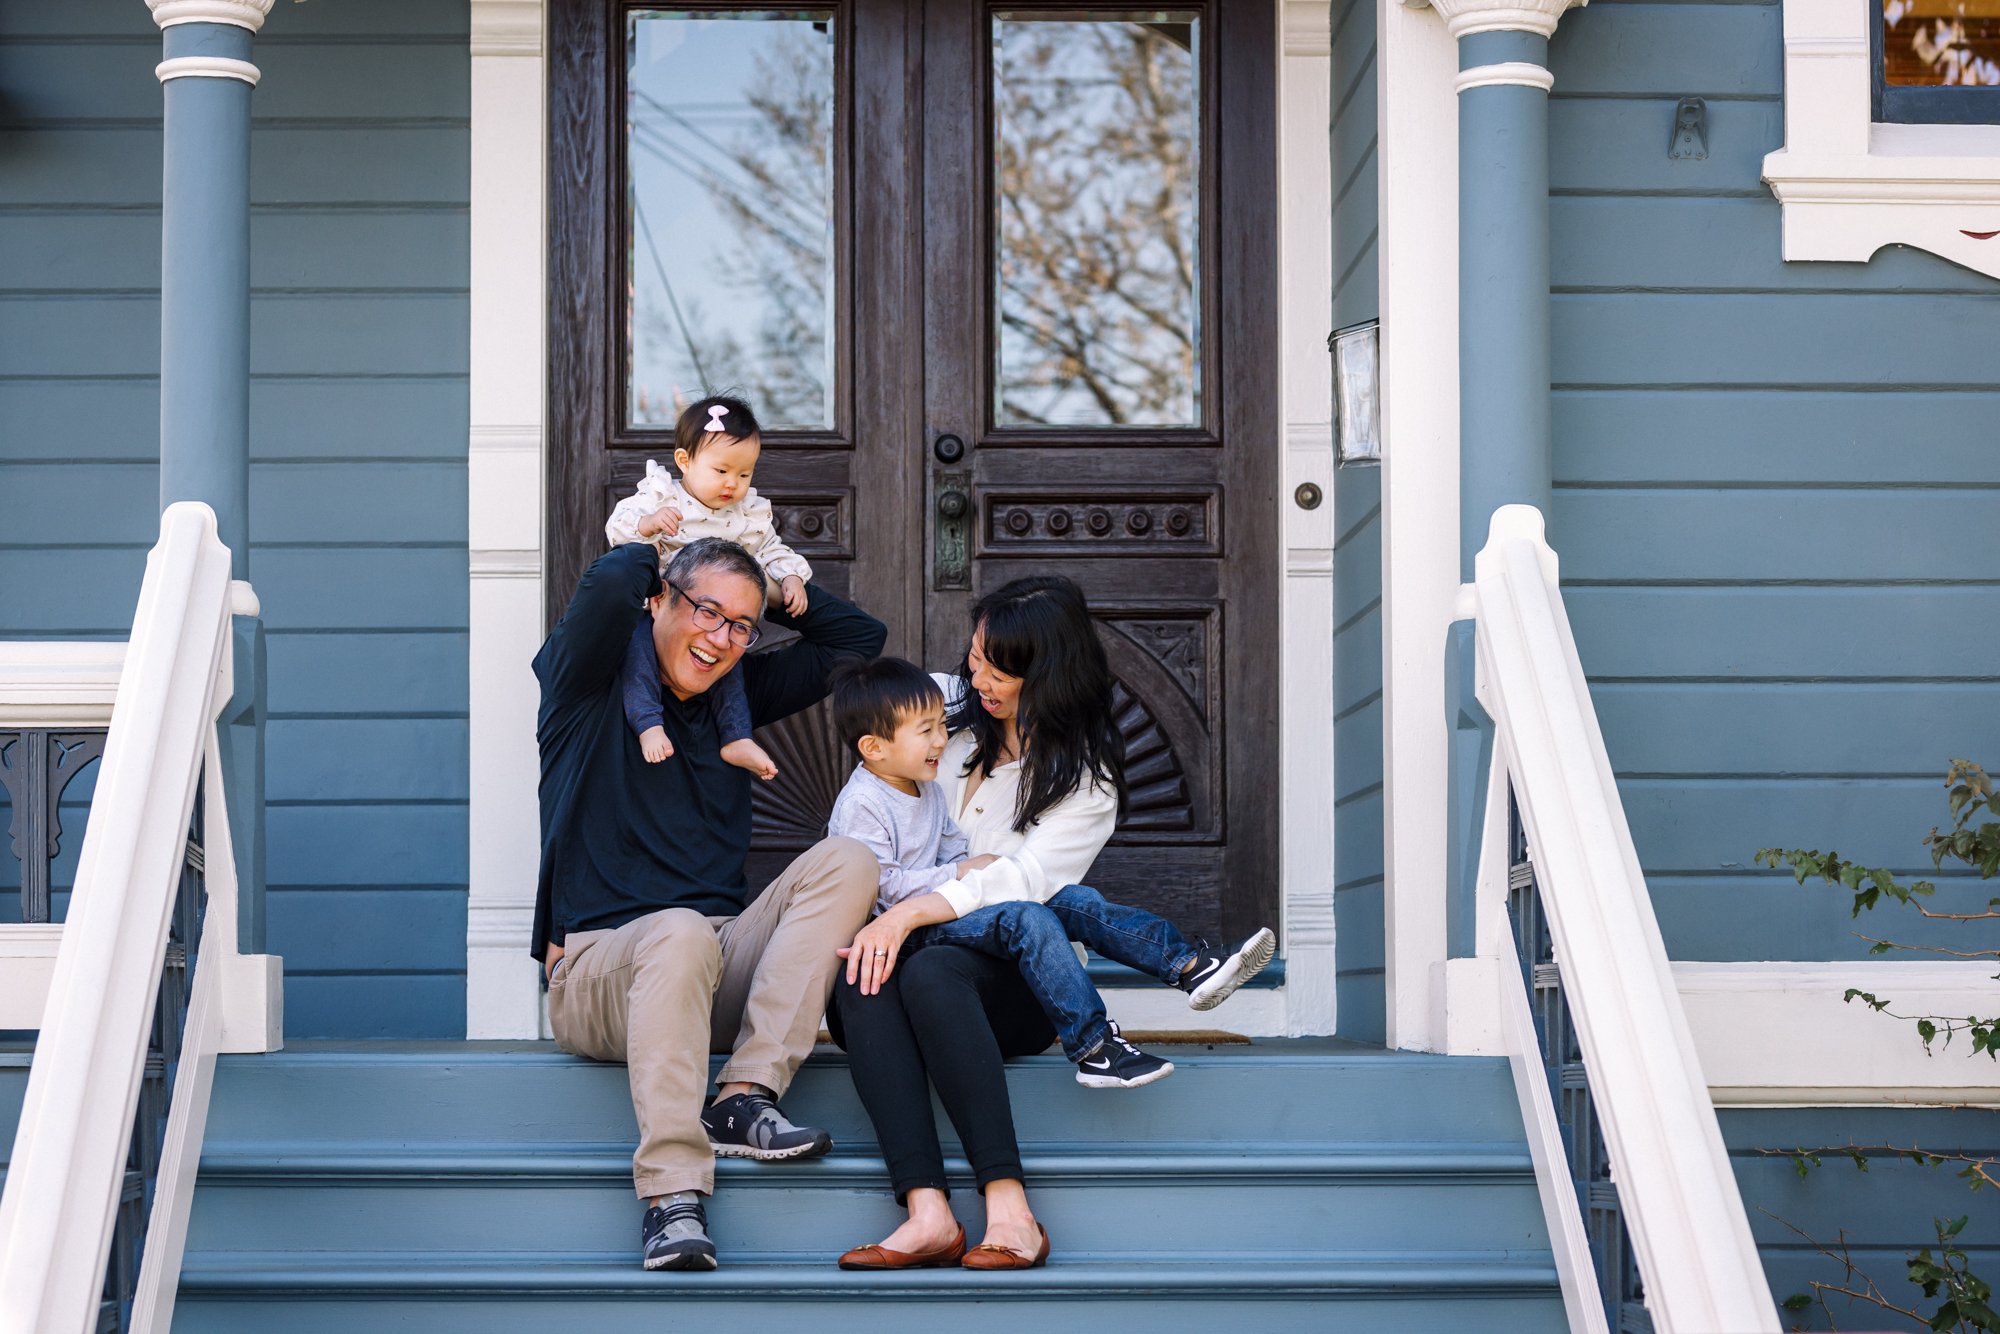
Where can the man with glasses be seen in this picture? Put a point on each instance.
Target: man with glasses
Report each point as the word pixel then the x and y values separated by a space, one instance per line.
pixel 656 953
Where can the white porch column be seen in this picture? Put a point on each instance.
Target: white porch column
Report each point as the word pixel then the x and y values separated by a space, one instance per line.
pixel 1418 108
pixel 502 986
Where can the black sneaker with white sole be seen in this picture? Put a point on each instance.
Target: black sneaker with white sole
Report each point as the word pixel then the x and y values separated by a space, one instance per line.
pixel 1215 977
pixel 749 1125
pixel 675 1236
pixel 1117 1064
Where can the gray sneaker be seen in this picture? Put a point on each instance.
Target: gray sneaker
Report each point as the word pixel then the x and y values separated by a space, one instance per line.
pixel 749 1125
pixel 675 1235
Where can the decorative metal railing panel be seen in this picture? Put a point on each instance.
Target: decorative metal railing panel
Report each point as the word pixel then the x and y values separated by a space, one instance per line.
pixel 1569 1085
pixel 36 766
pixel 156 1084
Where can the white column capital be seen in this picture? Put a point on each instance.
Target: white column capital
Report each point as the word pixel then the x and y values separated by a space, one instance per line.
pixel 1465 17
pixel 238 13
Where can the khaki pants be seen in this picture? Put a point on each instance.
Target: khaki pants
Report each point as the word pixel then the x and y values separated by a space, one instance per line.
pixel 662 992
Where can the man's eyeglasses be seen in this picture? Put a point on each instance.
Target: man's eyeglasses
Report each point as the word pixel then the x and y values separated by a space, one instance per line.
pixel 708 618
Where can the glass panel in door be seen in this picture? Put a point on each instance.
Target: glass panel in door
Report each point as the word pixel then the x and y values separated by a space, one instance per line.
pixel 729 269
pixel 1096 176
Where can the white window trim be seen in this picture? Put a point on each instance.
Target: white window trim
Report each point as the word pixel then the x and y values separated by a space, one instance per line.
pixel 1849 185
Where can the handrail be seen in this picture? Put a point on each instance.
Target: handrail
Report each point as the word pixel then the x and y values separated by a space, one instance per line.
pixel 1681 1203
pixel 63 1184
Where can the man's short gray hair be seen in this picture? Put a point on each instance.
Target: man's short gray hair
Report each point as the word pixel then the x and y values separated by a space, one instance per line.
pixel 716 553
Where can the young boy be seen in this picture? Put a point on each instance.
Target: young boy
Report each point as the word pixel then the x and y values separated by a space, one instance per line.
pixel 893 715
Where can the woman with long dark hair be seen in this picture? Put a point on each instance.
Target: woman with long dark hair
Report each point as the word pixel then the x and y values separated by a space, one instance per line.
pixel 1034 776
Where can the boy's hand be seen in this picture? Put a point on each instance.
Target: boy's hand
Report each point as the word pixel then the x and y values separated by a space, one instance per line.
pixel 979 863
pixel 662 522
pixel 794 590
pixel 653 744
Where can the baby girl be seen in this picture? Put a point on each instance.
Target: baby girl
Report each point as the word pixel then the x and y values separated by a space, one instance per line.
pixel 715 447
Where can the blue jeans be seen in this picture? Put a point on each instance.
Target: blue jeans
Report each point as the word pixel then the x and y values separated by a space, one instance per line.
pixel 1035 938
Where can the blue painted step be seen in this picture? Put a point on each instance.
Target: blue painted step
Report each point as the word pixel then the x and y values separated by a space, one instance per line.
pixel 486 1186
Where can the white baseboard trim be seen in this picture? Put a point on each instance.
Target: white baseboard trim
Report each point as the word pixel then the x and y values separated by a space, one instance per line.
pixel 1779 1034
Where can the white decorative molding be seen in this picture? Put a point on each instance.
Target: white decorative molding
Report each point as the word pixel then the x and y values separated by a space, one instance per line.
pixel 1306 1004
pixel 207 67
pixel 1462 18
pixel 1508 73
pixel 48 684
pixel 1847 185
pixel 1308 28
pixel 506 28
pixel 504 514
pixel 1781 1034
pixel 1417 118
pixel 236 13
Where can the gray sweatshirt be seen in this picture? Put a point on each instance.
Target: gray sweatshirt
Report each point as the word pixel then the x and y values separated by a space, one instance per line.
pixel 913 838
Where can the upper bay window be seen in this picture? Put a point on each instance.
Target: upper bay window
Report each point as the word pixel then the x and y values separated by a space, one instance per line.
pixel 1937 62
pixel 1892 130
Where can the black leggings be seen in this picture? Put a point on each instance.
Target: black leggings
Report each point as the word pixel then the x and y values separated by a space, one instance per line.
pixel 946 1018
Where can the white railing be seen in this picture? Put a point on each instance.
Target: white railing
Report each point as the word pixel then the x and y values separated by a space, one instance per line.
pixel 1679 1198
pixel 94 1001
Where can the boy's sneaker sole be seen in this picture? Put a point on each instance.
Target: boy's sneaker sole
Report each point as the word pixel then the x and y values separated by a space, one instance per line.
pixel 1238 968
pixel 1110 1081
pixel 812 1149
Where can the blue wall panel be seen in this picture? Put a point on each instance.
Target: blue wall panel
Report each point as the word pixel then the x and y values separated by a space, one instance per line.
pixel 1885 1212
pixel 1357 555
pixel 359 266
pixel 1765 477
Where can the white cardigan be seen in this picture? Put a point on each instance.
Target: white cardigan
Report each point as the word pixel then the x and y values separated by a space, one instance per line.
pixel 747 521
pixel 1054 851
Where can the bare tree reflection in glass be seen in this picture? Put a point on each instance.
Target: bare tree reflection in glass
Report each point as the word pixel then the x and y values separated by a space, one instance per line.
pixel 730 131
pixel 1097 211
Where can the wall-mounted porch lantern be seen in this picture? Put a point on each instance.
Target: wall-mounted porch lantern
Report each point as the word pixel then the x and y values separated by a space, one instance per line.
pixel 1357 402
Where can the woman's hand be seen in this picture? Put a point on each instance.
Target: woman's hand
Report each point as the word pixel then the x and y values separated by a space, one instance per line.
pixel 979 863
pixel 872 956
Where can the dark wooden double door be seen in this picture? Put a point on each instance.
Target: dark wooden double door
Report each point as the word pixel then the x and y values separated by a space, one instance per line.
pixel 1001 281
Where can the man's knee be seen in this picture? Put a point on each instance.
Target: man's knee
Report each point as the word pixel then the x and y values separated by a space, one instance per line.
pixel 680 939
pixel 847 870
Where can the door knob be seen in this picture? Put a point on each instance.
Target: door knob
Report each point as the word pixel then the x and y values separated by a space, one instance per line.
pixel 951 552
pixel 949 449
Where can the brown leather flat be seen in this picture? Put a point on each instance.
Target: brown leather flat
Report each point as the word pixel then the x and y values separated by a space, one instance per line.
pixel 881 1257
pixel 1000 1257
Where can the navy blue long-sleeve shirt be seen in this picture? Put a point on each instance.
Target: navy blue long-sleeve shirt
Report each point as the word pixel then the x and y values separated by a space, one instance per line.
pixel 620 837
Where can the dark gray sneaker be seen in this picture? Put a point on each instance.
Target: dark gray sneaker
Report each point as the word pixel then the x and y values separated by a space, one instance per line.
pixel 675 1236
pixel 749 1125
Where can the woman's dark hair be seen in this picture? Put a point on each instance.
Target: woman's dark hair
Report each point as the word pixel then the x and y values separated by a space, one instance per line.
pixel 735 420
pixel 874 698
pixel 1039 629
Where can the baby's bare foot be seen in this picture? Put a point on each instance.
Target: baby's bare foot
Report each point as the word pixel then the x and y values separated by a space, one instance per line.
pixel 747 754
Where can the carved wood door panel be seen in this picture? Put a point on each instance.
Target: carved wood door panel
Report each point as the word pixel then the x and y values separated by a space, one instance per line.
pixel 1001 281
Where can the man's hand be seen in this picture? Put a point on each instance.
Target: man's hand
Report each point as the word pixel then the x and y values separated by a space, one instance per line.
pixel 979 863
pixel 662 522
pixel 793 590
pixel 551 957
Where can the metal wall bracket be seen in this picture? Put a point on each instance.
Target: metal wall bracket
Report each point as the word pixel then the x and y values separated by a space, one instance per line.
pixel 1690 141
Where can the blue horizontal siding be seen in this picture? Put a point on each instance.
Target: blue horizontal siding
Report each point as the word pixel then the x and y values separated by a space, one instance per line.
pixel 1357 556
pixel 359 272
pixel 1766 477
pixel 1883 1214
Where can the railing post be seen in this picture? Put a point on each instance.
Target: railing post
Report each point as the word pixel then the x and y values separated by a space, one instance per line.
pixel 1470 764
pixel 205 352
